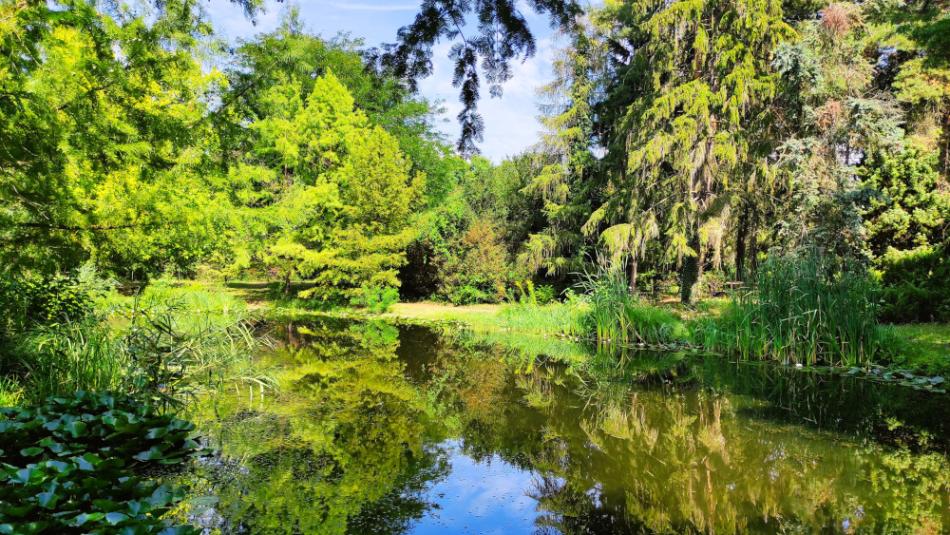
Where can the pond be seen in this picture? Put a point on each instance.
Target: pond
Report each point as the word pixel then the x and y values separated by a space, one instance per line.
pixel 383 429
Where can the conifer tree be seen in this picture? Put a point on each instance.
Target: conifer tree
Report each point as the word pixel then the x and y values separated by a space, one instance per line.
pixel 705 74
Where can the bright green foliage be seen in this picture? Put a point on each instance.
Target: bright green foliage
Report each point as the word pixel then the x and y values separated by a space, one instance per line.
pixel 102 124
pixel 704 77
pixel 337 210
pixel 910 204
pixel 72 465
pixel 289 54
pixel 375 299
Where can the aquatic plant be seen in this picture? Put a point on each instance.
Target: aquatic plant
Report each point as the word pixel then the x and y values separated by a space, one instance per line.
pixel 617 317
pixel 60 359
pixel 805 308
pixel 159 353
pixel 75 465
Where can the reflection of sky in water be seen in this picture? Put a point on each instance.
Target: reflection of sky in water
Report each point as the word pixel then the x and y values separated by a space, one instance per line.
pixel 487 497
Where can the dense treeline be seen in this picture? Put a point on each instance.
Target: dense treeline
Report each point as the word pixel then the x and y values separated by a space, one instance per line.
pixel 792 154
pixel 683 142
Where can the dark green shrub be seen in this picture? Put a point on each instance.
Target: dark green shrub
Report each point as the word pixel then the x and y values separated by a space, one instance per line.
pixel 916 285
pixel 75 465
pixel 468 295
pixel 43 301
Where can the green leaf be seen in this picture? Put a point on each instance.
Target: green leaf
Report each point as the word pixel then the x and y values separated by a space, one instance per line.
pixel 76 428
pixel 152 454
pixel 31 452
pixel 115 518
pixel 88 462
pixel 48 499
pixel 83 518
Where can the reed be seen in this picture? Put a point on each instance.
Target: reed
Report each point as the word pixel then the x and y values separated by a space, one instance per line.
pixel 804 309
pixel 163 345
pixel 61 359
pixel 616 317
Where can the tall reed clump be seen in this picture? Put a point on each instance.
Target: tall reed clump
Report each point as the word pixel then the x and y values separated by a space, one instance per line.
pixel 66 357
pixel 805 308
pixel 617 317
pixel 161 347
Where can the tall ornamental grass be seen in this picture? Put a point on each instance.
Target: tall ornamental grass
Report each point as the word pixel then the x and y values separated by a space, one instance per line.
pixel 805 308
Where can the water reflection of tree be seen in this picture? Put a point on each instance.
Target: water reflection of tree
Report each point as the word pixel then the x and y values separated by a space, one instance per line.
pixel 675 458
pixel 350 444
pixel 340 449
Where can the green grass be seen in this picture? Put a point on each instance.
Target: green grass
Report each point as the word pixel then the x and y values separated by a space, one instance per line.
pixel 165 344
pixel 923 347
pixel 563 319
pixel 10 392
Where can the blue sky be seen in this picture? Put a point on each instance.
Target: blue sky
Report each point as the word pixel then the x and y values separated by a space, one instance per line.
pixel 511 123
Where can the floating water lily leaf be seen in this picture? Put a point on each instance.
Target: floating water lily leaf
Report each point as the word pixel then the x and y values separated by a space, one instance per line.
pixel 152 454
pixel 76 428
pixel 83 518
pixel 115 518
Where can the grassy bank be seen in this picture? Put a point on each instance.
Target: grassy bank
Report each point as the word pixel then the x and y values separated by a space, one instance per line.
pixel 163 344
pixel 919 348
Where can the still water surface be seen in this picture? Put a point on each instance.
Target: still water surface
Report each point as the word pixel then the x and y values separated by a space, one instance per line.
pixel 378 429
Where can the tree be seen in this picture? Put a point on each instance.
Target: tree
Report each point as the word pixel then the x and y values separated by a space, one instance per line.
pixel 833 116
pixel 704 75
pixel 910 204
pixel 102 148
pixel 502 36
pixel 567 181
pixel 342 191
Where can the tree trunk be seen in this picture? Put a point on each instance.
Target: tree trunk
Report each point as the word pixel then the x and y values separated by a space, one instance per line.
pixel 633 275
pixel 690 270
pixel 753 250
pixel 742 231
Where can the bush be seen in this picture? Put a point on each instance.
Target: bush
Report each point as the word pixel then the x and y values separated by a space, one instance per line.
pixel 544 294
pixel 468 295
pixel 477 269
pixel 916 285
pixel 41 301
pixel 376 299
pixel 74 465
